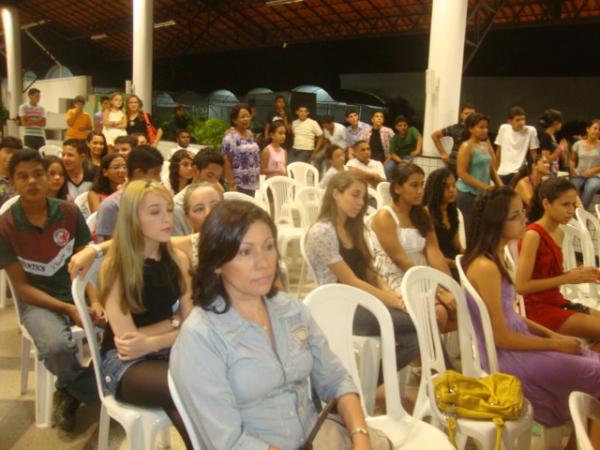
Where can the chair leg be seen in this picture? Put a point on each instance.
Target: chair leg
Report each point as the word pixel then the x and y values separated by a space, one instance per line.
pixel 43 395
pixel 524 440
pixel 164 438
pixel 25 356
pixel 301 279
pixel 3 299
pixel 103 429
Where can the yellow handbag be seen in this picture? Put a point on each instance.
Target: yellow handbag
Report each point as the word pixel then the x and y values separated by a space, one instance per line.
pixel 497 397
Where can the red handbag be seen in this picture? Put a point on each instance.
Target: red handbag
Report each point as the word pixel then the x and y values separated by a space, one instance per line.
pixel 150 129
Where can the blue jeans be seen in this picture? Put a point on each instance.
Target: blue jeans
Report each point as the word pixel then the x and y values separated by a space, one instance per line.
pixel 51 333
pixel 587 187
pixel 389 167
pixel 296 155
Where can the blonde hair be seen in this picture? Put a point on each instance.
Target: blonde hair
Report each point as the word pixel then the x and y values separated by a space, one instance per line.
pixel 193 187
pixel 124 262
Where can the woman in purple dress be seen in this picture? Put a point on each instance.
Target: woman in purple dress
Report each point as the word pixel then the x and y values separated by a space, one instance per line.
pixel 549 365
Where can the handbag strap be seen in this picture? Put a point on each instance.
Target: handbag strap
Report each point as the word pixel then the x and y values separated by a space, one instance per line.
pixel 320 420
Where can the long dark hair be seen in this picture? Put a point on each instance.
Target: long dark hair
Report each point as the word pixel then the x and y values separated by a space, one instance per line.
pixel 220 239
pixel 89 138
pixel 471 122
pixel 176 159
pixel 101 182
pixel 434 194
pixel 418 216
pixel 48 161
pixel 550 190
pixel 526 169
pixel 485 226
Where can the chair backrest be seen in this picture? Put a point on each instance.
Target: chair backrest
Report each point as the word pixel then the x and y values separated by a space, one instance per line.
pixel 383 189
pixel 8 203
pixel 303 253
pixel 374 194
pixel 333 306
pixel 597 209
pixel 83 204
pixel 462 234
pixel 590 224
pixel 471 361
pixel 308 201
pixel 78 292
pixel 583 407
pixel 91 221
pixel 283 191
pixel 185 417
pixel 510 250
pixel 50 150
pixel 304 174
pixel 575 241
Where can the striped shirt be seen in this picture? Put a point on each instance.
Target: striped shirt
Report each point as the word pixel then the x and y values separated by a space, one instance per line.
pixel 27 111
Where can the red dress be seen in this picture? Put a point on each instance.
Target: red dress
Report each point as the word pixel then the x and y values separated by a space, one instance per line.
pixel 547 307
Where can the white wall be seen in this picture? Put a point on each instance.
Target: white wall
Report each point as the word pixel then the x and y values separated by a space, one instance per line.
pixel 61 88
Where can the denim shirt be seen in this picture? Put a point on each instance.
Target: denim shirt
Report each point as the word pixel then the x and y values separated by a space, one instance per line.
pixel 243 393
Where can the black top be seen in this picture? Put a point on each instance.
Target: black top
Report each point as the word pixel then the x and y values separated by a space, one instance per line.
pixel 377 152
pixel 160 293
pixel 456 133
pixel 138 125
pixel 445 236
pixel 354 259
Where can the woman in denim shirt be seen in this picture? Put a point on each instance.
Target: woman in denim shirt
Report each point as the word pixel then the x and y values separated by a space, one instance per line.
pixel 243 358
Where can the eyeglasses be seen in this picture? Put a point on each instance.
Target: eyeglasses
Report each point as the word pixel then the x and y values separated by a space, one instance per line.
pixel 517 216
pixel 119 167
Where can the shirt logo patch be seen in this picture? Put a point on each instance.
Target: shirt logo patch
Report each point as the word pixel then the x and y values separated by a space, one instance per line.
pixel 61 237
pixel 300 333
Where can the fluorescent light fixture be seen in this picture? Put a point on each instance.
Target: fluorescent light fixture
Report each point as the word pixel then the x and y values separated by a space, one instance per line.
pixel 272 3
pixel 166 23
pixel 97 37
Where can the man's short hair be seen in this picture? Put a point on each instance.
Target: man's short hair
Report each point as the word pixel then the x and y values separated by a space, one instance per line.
pixel 11 142
pixel 359 142
pixel 377 112
pixel 104 98
pixel 351 111
pixel 182 130
pixel 131 140
pixel 467 106
pixel 399 119
pixel 302 105
pixel 327 119
pixel 25 155
pixel 515 111
pixel 205 157
pixel 179 108
pixel 33 91
pixel 144 157
pixel 277 97
pixel 79 99
pixel 77 144
pixel 330 150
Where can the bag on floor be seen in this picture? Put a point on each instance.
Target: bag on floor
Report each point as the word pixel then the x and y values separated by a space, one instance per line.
pixel 497 397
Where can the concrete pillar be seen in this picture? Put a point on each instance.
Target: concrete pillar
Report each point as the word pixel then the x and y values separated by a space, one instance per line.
pixel 444 71
pixel 14 70
pixel 143 31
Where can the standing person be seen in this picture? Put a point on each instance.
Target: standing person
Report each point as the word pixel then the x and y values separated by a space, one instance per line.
pixel 139 121
pixel 146 291
pixel 38 236
pixel 79 178
pixel 549 365
pixel 273 158
pixel 57 178
pixel 475 163
pixel 440 200
pixel 308 136
pixel 181 120
pixel 8 147
pixel 362 164
pixel 379 138
pixel 98 149
pixel 79 123
pixel 585 164
pixel 241 153
pixel 181 171
pixel 530 177
pixel 540 272
pixel 280 115
pixel 114 119
pixel 548 125
pixel 214 368
pixel 515 142
pixel 99 116
pixel 355 128
pixel 456 132
pixel 110 177
pixel 32 117
pixel 404 146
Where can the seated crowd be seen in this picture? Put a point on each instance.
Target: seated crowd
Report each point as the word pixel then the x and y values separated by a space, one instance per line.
pixel 190 282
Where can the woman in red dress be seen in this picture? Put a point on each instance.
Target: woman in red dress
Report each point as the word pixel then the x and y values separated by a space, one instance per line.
pixel 540 272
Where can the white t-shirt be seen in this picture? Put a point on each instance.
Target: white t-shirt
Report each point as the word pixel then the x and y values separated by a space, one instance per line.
pixel 373 166
pixel 305 132
pixel 328 176
pixel 338 137
pixel 514 146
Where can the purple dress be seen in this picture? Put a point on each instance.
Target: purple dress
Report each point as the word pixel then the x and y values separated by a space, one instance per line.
pixel 547 377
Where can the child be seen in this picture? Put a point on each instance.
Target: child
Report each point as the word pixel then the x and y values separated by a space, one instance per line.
pixel 114 119
pixel 306 132
pixel 273 158
pixel 57 178
pixel 335 157
pixel 540 272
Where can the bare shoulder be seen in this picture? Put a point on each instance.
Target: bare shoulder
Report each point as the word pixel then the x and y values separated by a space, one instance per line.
pixel 483 268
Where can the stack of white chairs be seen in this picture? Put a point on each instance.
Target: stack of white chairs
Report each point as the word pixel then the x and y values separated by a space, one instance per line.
pixel 419 287
pixel 142 425
pixel 233 195
pixel 304 174
pixel 333 306
pixel 590 224
pixel 308 203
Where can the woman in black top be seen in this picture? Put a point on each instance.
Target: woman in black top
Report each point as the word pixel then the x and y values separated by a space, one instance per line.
pixel 145 289
pixel 137 119
pixel 440 200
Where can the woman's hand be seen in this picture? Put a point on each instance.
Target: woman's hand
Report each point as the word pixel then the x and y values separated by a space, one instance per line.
pixel 132 345
pixel 566 344
pixel 394 300
pixel 97 311
pixel 583 274
pixel 446 298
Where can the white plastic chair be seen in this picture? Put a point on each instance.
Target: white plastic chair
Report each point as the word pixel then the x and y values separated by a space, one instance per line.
pixel 83 204
pixel 374 194
pixel 510 251
pixel 185 417
pixel 383 189
pixel 3 277
pixel 50 150
pixel 304 174
pixel 308 202
pixel 233 195
pixel 419 287
pixel 590 224
pixel 462 234
pixel 91 221
pixel 332 307
pixel 583 407
pixel 141 425
pixel 597 209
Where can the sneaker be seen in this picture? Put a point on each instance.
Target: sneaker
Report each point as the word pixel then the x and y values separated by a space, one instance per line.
pixel 59 396
pixel 64 412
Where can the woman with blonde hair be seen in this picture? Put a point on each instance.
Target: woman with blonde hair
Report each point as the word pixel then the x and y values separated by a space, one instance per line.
pixel 146 292
pixel 114 119
pixel 138 120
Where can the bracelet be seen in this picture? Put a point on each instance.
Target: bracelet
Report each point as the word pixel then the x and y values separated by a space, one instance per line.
pixel 98 250
pixel 359 430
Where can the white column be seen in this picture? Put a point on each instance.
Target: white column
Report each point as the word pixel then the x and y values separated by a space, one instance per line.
pixel 14 70
pixel 444 71
pixel 143 30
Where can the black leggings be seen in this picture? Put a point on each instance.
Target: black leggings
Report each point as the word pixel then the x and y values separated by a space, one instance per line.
pixel 145 384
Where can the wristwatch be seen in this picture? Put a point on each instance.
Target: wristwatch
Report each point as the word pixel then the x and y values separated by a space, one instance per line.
pixel 359 430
